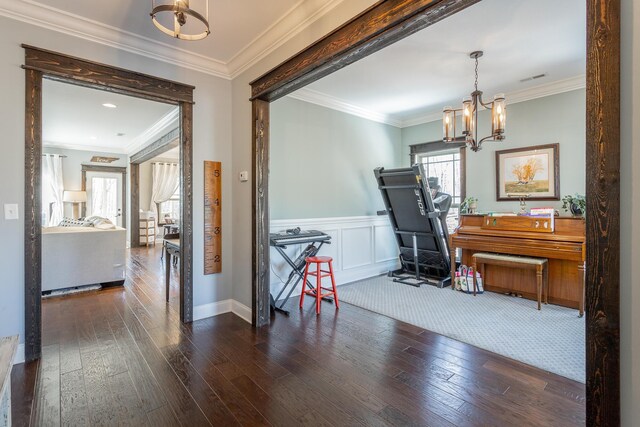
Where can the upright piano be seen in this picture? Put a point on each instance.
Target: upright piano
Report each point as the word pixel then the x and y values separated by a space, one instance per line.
pixel 565 249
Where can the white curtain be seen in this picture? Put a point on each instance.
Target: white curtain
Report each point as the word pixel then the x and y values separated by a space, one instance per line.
pixel 166 178
pixel 104 197
pixel 52 189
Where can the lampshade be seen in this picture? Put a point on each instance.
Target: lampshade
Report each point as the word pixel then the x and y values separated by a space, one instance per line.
pixel 75 196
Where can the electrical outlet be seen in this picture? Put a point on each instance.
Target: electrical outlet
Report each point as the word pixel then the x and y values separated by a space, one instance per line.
pixel 11 211
pixel 244 176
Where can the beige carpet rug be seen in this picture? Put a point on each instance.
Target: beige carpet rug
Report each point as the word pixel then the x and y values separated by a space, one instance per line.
pixel 552 339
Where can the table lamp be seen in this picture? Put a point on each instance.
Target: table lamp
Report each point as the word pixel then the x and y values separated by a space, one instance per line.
pixel 75 197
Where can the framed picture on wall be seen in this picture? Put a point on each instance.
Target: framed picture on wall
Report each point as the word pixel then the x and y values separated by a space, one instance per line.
pixel 532 173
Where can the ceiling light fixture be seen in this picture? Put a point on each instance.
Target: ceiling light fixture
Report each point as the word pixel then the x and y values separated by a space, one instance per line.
pixel 108 105
pixel 180 10
pixel 470 106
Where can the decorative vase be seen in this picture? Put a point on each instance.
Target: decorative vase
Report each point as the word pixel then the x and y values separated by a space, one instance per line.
pixel 472 207
pixel 575 210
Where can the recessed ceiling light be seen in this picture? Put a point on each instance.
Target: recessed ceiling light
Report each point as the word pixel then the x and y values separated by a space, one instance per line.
pixel 108 105
pixel 120 134
pixel 93 138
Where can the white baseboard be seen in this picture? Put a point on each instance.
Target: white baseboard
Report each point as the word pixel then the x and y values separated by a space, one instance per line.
pixel 220 307
pixel 212 309
pixel 19 357
pixel 241 310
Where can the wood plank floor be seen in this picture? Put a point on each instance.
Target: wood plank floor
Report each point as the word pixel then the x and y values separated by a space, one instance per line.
pixel 121 357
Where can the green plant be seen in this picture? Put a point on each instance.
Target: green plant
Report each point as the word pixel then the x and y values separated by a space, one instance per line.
pixel 464 206
pixel 574 204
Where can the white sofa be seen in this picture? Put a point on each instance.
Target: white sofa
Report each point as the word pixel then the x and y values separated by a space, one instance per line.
pixel 79 256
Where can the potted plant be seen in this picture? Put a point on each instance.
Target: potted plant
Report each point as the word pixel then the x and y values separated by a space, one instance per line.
pixel 576 204
pixel 469 205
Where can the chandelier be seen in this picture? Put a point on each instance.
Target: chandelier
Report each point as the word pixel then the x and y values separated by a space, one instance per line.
pixel 470 107
pixel 180 10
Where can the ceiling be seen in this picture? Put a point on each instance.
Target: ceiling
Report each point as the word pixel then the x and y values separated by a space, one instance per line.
pixel 242 32
pixel 74 117
pixel 412 80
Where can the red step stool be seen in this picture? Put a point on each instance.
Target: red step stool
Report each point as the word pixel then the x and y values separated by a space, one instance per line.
pixel 319 273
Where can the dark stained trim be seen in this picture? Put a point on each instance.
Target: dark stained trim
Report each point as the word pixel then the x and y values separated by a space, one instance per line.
pixel 430 147
pixel 109 169
pixel 186 220
pixel 603 213
pixel 41 63
pixel 134 233
pixel 391 20
pixel 260 225
pixel 32 215
pixel 381 25
pixel 59 66
pixel 166 142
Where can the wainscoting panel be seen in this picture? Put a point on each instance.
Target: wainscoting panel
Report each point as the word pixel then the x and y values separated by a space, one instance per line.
pixel 385 246
pixel 361 247
pixel 357 247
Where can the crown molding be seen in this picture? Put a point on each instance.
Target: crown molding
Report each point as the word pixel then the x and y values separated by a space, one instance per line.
pixel 540 91
pixel 44 16
pixel 83 147
pixel 547 89
pixel 166 123
pixel 292 23
pixel 328 101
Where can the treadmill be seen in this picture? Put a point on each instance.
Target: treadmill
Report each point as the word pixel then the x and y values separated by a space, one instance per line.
pixel 419 230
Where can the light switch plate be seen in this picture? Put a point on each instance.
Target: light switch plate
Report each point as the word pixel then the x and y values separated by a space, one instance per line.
pixel 244 176
pixel 11 211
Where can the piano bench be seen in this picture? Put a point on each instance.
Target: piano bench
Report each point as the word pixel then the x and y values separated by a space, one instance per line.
pixel 526 263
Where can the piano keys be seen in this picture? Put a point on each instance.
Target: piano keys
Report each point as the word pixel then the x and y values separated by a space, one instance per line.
pixel 565 248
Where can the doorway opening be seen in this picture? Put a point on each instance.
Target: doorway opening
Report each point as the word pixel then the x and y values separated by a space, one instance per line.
pixel 106 189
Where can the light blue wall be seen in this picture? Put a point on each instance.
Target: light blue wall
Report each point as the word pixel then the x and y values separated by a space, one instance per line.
pixel 322 161
pixel 552 119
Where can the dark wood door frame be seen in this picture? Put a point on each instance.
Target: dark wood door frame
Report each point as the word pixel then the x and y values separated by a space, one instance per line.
pixel 108 169
pixel 166 142
pixel 389 21
pixel 40 64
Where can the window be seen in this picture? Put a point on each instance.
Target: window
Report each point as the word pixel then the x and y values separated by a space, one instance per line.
pixel 170 208
pixel 445 165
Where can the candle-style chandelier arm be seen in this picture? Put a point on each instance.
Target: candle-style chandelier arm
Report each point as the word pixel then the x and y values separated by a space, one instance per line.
pixel 470 109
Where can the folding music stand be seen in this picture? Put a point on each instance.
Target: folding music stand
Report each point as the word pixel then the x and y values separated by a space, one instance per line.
pixel 418 228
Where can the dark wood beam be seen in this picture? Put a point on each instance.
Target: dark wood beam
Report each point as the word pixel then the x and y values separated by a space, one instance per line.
pixel 603 213
pixel 260 225
pixel 186 219
pixel 134 172
pixel 33 215
pixel 377 27
pixel 166 142
pixel 100 76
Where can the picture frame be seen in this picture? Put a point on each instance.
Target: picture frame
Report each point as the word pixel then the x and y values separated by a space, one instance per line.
pixel 530 173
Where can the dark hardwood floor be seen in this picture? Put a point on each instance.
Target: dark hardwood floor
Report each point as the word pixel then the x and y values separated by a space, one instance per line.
pixel 121 357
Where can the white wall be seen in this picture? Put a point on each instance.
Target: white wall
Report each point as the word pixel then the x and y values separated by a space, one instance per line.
pixel 212 141
pixel 553 119
pixel 630 213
